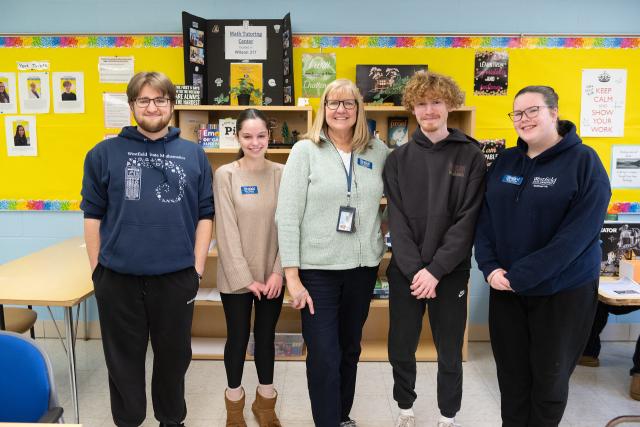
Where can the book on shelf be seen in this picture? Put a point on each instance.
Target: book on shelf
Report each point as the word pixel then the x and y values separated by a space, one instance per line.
pixel 398 131
pixel 227 129
pixel 209 136
pixel 208 294
pixel 381 289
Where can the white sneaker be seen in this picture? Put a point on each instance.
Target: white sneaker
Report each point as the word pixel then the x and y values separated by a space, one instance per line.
pixel 448 424
pixel 406 421
pixel 348 423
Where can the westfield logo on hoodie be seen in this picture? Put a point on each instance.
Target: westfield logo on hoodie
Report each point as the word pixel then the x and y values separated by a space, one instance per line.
pixel 543 182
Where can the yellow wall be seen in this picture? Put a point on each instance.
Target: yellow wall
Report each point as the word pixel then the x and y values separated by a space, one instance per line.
pixel 64 139
pixel 559 68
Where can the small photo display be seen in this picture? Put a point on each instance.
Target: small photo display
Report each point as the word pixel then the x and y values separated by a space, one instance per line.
pixel 8 98
pixel 68 89
pixel 196 37
pixel 21 135
pixel 68 92
pixel 196 55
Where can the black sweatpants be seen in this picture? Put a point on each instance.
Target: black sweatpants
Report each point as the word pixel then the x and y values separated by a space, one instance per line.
pixel 536 342
pixel 602 315
pixel 448 319
pixel 341 301
pixel 132 309
pixel 237 312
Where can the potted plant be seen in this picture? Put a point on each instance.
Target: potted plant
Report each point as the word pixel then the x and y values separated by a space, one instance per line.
pixel 393 92
pixel 244 90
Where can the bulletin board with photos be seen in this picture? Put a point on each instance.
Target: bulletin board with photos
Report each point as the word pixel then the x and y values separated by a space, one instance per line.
pixel 59 96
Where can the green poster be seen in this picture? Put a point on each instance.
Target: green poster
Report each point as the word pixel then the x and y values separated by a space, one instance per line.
pixel 318 70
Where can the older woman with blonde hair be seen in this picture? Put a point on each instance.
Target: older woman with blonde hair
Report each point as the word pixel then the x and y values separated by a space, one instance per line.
pixel 330 243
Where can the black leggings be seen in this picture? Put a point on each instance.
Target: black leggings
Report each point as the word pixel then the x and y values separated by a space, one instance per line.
pixel 237 312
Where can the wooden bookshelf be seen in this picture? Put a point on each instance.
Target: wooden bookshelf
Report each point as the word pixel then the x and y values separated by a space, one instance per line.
pixel 209 326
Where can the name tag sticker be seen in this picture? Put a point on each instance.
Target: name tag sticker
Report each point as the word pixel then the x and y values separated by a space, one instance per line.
pixel 366 163
pixel 249 189
pixel 511 179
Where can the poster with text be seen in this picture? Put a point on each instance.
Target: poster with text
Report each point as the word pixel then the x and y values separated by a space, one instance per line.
pixel 245 43
pixel 68 92
pixel 34 92
pixel 117 113
pixel 21 137
pixel 246 77
pixel 491 148
pixel 491 74
pixel 318 70
pixel 8 94
pixel 115 69
pixel 603 102
pixel 625 166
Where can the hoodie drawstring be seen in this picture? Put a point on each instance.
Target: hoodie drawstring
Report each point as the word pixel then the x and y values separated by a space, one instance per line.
pixel 164 159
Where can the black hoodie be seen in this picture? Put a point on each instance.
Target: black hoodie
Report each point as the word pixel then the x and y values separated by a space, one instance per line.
pixel 149 196
pixel 542 217
pixel 434 193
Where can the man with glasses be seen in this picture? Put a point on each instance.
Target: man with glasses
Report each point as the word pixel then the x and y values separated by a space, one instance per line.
pixel 148 207
pixel 434 186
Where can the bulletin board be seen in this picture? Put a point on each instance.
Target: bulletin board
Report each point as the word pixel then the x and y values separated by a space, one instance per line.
pixel 556 62
pixel 52 180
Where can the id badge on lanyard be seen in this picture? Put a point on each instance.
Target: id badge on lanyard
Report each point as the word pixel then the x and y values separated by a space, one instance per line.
pixel 347 214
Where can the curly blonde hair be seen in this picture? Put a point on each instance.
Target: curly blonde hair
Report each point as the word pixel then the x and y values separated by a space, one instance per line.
pixel 425 84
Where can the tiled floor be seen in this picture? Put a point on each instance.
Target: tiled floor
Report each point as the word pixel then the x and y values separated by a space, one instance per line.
pixel 597 394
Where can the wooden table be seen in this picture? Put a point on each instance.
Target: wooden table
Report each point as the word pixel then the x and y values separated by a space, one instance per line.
pixel 57 276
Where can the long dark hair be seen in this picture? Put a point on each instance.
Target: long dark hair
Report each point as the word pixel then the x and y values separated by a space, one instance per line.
pixel 17 135
pixel 248 114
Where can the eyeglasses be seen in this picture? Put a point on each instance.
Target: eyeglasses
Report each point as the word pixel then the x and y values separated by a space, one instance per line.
pixel 159 102
pixel 530 112
pixel 348 104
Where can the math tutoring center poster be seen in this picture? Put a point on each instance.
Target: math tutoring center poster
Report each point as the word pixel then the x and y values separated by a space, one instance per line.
pixel 603 102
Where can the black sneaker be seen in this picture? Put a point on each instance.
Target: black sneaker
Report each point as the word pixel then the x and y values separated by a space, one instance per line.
pixel 171 425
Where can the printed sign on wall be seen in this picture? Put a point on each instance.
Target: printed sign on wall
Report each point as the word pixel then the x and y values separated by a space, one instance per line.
pixel 603 102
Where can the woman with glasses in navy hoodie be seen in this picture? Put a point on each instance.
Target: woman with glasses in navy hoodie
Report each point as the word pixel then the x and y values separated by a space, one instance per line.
pixel 537 243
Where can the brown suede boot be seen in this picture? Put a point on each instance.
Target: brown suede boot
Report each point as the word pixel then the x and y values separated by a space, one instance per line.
pixel 235 417
pixel 634 390
pixel 264 410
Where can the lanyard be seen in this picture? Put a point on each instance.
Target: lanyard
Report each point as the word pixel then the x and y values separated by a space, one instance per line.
pixel 348 174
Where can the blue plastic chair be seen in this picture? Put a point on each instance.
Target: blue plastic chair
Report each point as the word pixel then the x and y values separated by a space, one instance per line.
pixel 27 390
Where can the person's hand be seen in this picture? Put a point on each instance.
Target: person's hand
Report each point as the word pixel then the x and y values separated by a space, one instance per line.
pixel 498 282
pixel 257 289
pixel 273 287
pixel 423 285
pixel 299 293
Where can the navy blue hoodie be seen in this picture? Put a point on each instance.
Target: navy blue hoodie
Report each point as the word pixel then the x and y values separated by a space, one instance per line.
pixel 541 217
pixel 149 196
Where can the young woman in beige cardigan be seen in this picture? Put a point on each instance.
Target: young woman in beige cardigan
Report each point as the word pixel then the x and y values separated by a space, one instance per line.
pixel 249 270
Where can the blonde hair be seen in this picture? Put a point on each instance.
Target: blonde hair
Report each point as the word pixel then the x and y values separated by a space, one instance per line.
pixel 156 80
pixel 425 84
pixel 361 134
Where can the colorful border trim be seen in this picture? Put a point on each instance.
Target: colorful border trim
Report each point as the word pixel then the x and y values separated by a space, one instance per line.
pixel 40 205
pixel 303 41
pixel 310 41
pixel 92 41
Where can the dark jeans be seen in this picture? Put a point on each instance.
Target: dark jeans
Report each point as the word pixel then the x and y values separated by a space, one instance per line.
pixel 132 309
pixel 237 312
pixel 447 317
pixel 536 342
pixel 341 300
pixel 602 315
